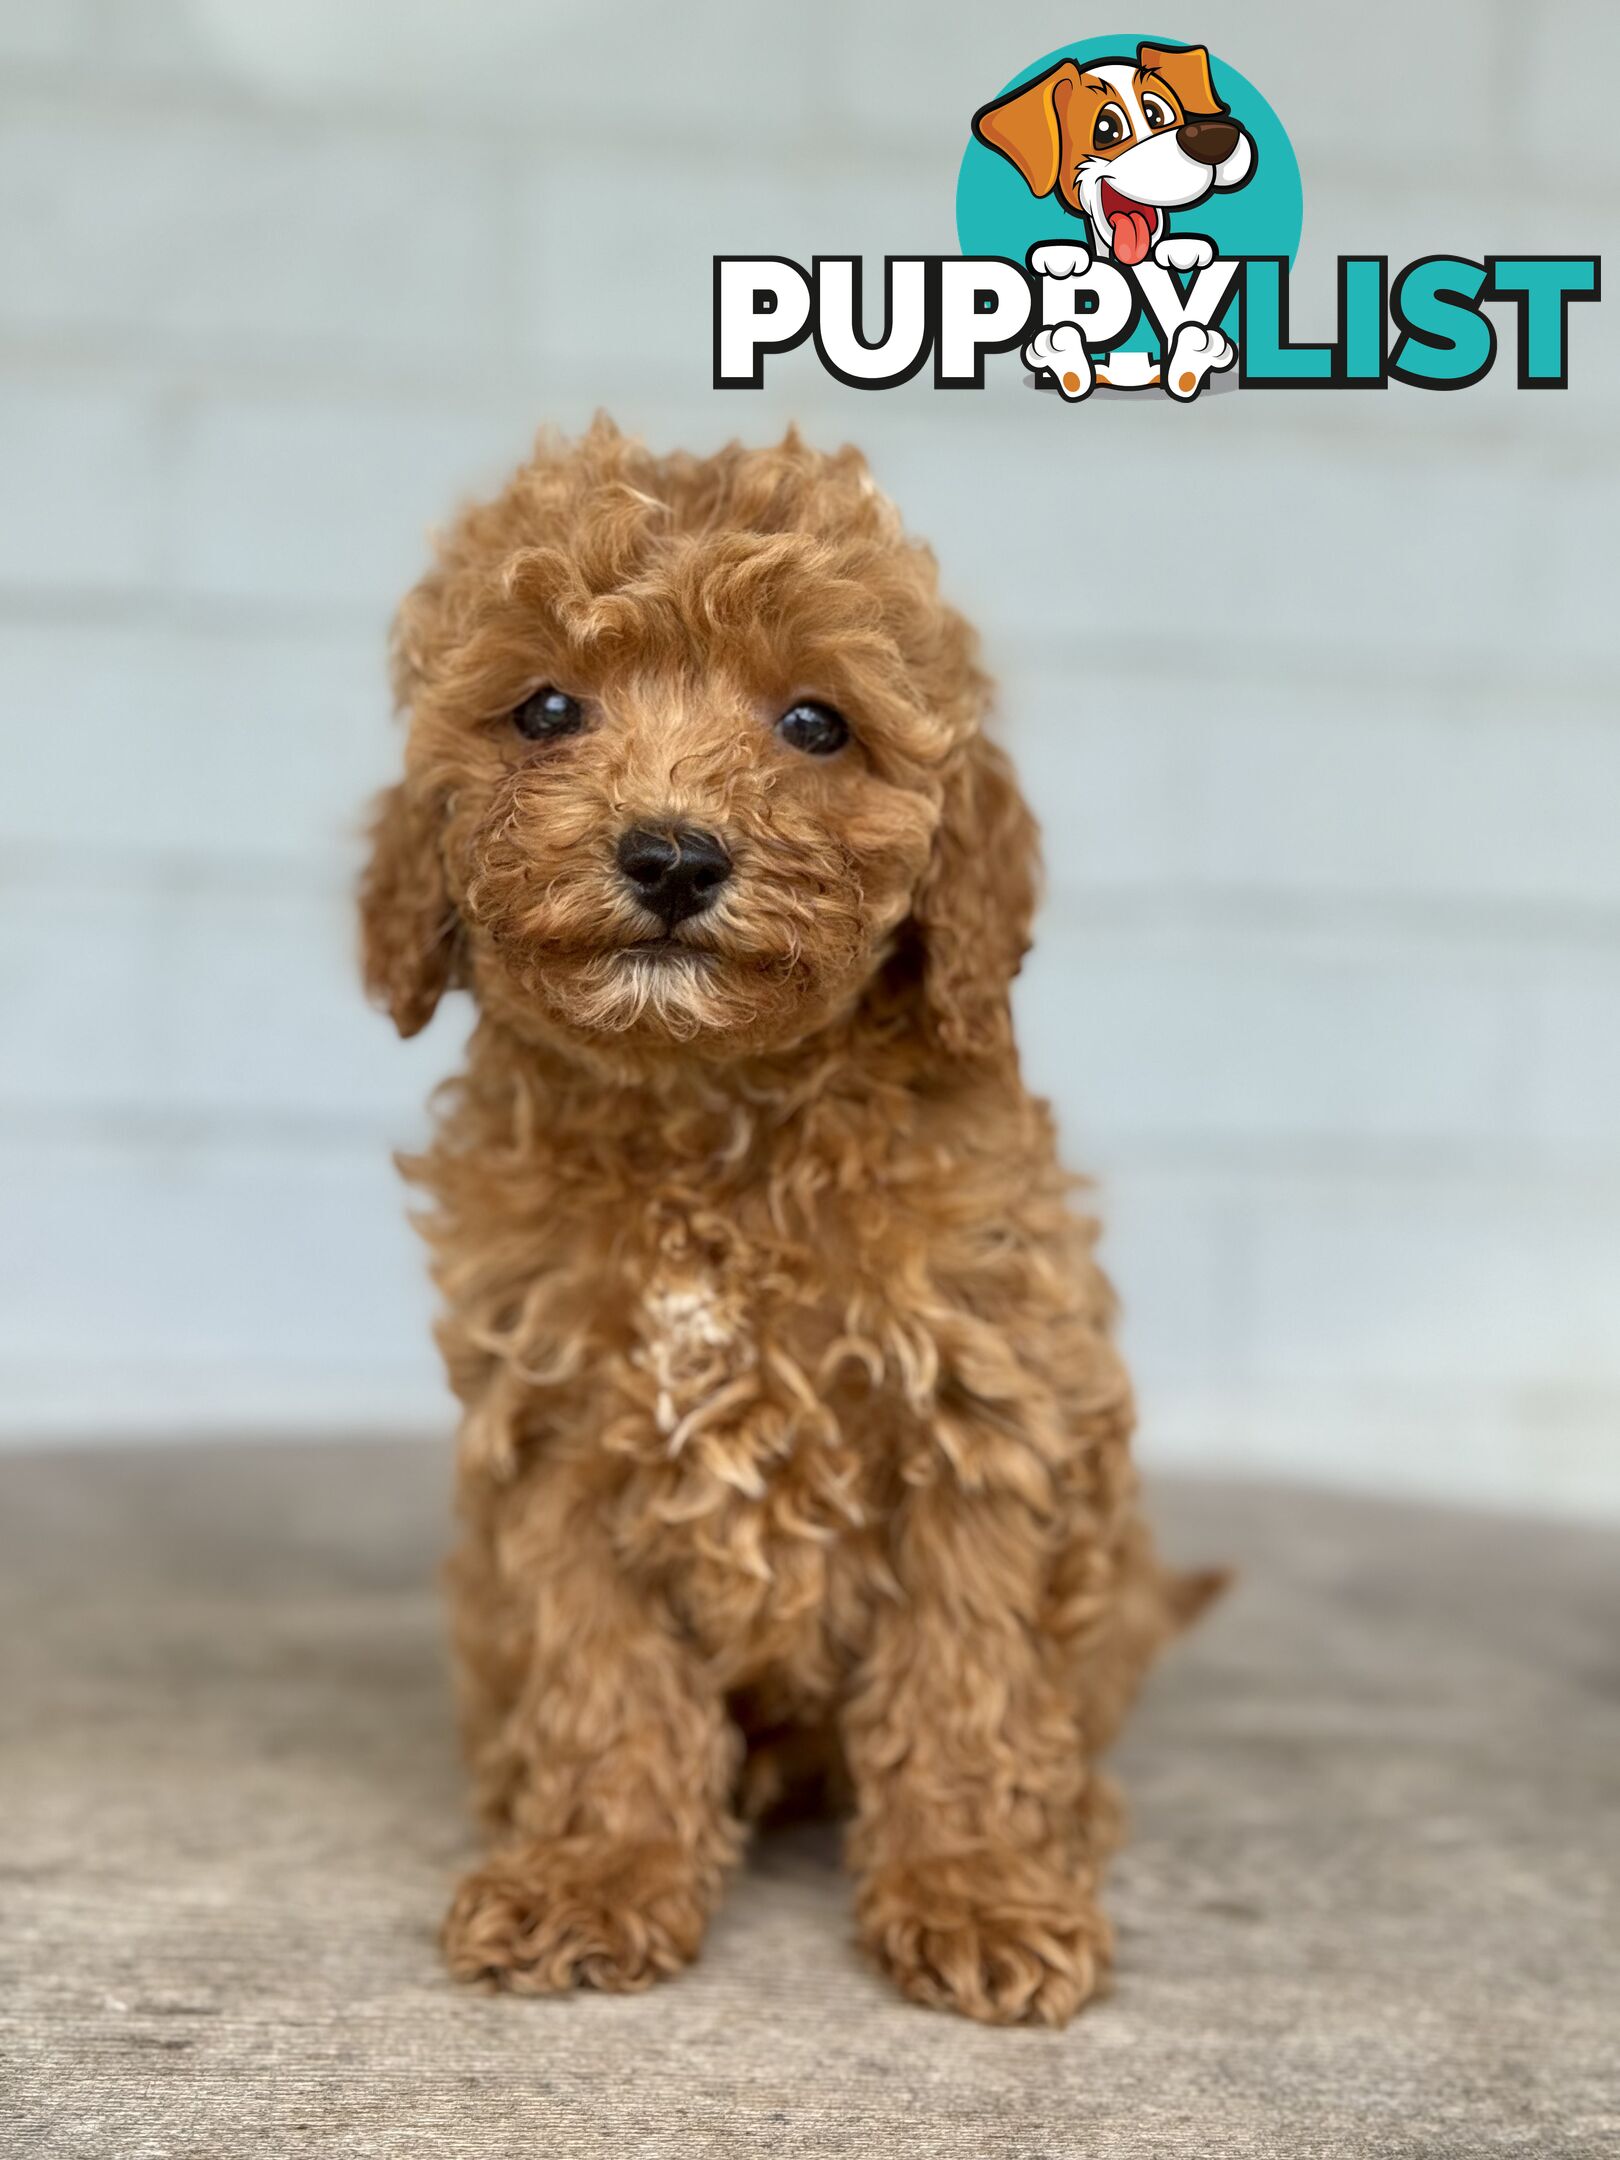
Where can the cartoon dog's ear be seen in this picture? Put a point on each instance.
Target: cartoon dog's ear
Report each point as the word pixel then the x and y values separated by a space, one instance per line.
pixel 1026 125
pixel 976 901
pixel 1185 68
pixel 410 934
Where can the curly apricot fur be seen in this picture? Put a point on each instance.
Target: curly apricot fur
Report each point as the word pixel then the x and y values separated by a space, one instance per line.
pixel 795 1444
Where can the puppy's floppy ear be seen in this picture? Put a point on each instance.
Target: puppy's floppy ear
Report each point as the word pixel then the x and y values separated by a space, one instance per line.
pixel 410 934
pixel 974 906
pixel 1026 125
pixel 1186 70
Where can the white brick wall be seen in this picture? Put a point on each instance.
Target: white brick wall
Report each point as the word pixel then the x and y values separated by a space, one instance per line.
pixel 323 502
pixel 1328 988
pixel 246 237
pixel 1239 1033
pixel 82 486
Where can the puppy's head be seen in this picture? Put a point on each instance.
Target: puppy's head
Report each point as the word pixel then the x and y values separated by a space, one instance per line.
pixel 1120 142
pixel 694 762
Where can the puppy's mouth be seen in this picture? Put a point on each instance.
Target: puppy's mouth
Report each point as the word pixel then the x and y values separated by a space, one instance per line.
pixel 663 951
pixel 1131 225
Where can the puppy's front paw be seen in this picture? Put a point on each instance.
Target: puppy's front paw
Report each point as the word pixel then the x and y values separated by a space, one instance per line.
pixel 1000 1937
pixel 542 1918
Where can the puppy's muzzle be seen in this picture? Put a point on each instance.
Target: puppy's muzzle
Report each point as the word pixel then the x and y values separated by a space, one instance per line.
pixel 1209 142
pixel 676 873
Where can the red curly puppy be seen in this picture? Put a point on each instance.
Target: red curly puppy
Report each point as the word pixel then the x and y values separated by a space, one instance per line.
pixel 795 1447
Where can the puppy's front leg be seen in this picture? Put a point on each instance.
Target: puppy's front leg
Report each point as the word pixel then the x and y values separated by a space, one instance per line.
pixel 976 1886
pixel 619 1764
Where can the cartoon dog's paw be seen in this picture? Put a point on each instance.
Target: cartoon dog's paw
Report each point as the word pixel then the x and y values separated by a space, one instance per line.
pixel 1184 251
pixel 1128 371
pixel 1195 353
pixel 1062 350
pixel 1058 259
pixel 539 1919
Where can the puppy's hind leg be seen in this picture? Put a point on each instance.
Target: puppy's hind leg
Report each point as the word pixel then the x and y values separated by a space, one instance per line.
pixel 614 1765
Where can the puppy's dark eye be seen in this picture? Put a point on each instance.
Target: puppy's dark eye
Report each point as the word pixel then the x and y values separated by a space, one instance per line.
pixel 815 729
pixel 547 712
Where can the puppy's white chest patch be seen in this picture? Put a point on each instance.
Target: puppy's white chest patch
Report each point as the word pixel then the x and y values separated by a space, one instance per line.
pixel 695 1344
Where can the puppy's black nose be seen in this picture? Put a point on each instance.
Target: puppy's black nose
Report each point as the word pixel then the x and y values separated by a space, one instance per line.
pixel 1211 142
pixel 675 873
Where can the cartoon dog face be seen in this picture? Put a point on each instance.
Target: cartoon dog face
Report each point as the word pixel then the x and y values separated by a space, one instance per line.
pixel 1121 143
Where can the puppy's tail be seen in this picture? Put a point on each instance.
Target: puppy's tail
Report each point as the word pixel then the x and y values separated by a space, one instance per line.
pixel 1187 1595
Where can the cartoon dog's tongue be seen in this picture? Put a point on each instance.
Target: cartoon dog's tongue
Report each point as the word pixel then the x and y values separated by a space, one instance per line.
pixel 1130 223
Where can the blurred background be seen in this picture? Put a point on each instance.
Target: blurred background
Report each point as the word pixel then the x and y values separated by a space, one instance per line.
pixel 1327 987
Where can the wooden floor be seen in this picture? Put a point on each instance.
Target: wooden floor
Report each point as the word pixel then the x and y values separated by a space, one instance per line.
pixel 1369 1909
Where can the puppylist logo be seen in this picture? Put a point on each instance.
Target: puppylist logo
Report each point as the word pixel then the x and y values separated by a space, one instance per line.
pixel 1129 213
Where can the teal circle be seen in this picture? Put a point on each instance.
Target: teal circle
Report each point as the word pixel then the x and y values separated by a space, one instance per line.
pixel 997 215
